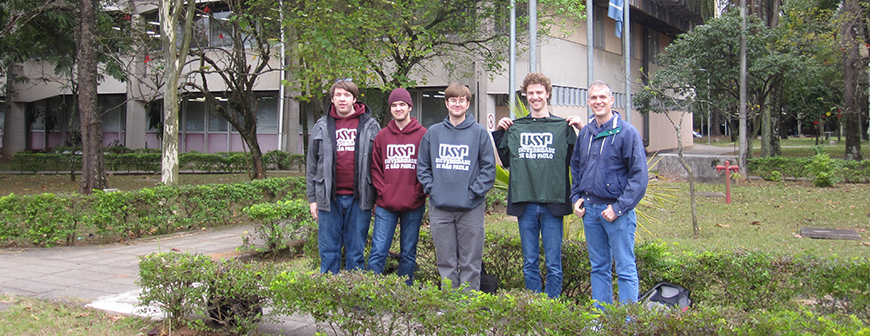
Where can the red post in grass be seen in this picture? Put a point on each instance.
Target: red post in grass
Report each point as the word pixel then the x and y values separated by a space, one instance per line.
pixel 728 168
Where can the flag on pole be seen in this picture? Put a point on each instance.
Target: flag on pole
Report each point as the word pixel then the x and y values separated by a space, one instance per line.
pixel 615 12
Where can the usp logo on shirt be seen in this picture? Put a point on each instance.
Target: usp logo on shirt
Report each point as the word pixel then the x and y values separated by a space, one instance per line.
pixel 536 145
pixel 345 139
pixel 399 156
pixel 452 157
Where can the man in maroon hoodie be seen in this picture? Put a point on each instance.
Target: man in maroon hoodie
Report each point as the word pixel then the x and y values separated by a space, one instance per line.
pixel 400 195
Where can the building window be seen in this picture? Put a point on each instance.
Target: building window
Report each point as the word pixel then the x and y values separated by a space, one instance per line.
pixel 652 44
pixel 114 112
pixel 194 115
pixel 568 96
pixel 267 113
pixel 598 28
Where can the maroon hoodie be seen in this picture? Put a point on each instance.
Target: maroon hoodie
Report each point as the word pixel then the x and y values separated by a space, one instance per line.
pixel 345 144
pixel 394 167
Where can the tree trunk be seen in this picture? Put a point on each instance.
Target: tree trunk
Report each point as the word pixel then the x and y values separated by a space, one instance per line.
pixel 258 169
pixel 170 17
pixel 93 164
pixel 852 66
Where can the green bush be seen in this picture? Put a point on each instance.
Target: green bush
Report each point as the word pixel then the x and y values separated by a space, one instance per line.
pixel 175 283
pixel 277 224
pixel 48 219
pixel 229 292
pixel 823 169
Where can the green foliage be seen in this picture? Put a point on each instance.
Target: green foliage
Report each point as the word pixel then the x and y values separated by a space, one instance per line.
pixel 174 281
pixel 237 293
pixel 277 223
pixel 823 169
pixel 49 219
pixel 362 303
pixel 124 159
pixel 230 292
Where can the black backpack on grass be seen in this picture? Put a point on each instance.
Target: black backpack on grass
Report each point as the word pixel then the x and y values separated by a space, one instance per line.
pixel 665 294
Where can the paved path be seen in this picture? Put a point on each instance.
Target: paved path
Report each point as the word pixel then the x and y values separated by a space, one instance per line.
pixel 106 275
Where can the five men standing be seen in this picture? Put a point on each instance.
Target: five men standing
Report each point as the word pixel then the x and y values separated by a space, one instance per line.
pixel 350 164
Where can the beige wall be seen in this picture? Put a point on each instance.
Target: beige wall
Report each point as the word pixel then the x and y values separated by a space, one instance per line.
pixel 662 133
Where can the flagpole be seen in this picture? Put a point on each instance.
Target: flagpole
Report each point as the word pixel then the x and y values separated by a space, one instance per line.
pixel 590 49
pixel 512 73
pixel 626 51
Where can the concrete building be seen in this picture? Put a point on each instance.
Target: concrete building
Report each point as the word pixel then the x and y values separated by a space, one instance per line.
pixel 37 115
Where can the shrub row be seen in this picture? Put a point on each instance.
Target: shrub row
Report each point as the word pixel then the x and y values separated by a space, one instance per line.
pixel 820 167
pixel 150 162
pixel 360 303
pixel 52 219
pixel 740 279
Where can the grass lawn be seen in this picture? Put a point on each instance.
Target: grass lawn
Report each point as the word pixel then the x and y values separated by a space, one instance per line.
pixel 27 316
pixel 763 216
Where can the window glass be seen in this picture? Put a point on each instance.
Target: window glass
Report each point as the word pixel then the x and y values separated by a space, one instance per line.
pixel 216 122
pixel 220 30
pixel 433 109
pixel 267 113
pixel 194 116
pixel 113 110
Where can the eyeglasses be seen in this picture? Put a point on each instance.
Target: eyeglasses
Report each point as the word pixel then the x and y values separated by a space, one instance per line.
pixel 344 80
pixel 457 101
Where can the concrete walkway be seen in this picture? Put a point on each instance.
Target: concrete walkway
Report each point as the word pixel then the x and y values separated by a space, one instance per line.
pixel 106 275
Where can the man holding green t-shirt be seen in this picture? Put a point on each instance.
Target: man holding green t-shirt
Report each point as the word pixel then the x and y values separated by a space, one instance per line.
pixel 537 149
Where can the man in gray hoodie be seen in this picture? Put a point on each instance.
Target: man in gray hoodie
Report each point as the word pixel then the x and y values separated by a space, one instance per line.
pixel 456 167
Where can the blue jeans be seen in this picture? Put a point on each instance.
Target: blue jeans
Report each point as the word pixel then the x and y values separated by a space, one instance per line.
pixel 537 222
pixel 382 238
pixel 344 226
pixel 608 242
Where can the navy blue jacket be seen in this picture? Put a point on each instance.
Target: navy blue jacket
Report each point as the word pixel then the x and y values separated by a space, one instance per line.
pixel 609 165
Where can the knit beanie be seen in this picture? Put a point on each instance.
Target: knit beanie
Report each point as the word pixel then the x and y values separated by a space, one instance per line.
pixel 400 94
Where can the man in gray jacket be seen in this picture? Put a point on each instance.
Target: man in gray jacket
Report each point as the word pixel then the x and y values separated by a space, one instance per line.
pixel 338 178
pixel 456 167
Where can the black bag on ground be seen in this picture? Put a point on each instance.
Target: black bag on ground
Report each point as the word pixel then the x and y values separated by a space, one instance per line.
pixel 488 283
pixel 665 294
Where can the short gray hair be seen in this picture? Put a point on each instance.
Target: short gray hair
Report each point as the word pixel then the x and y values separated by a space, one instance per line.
pixel 601 84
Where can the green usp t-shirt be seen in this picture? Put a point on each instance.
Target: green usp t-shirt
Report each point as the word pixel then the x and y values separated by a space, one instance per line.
pixel 538 159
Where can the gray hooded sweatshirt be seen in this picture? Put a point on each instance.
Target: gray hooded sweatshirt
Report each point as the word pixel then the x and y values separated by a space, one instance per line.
pixel 456 164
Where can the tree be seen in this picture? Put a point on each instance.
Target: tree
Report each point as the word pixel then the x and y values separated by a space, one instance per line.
pixel 668 93
pixel 238 62
pixel 853 26
pixel 711 52
pixel 383 44
pixel 93 163
pixel 175 55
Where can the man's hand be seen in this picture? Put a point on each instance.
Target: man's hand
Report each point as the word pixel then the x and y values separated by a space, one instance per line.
pixel 575 121
pixel 313 208
pixel 608 214
pixel 579 210
pixel 505 123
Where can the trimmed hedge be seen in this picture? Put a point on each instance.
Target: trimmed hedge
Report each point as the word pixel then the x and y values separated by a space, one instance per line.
pixel 361 303
pixel 816 167
pixel 149 161
pixel 54 219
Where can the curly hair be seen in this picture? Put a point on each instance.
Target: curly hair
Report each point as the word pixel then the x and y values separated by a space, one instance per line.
pixel 537 78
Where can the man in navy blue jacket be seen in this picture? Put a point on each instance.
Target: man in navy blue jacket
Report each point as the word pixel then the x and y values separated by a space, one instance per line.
pixel 610 178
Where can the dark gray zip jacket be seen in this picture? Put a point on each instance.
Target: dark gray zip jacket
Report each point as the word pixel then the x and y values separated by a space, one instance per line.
pixel 320 162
